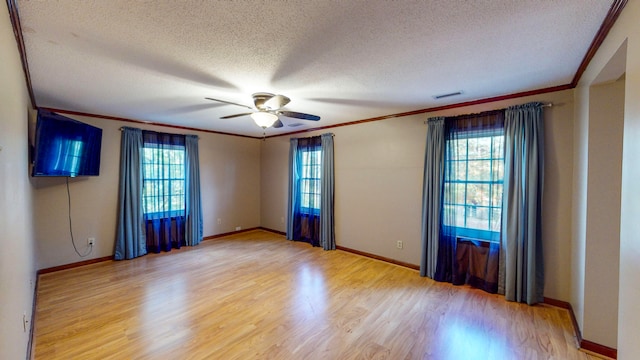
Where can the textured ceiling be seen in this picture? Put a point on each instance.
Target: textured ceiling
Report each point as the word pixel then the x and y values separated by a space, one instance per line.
pixel 341 60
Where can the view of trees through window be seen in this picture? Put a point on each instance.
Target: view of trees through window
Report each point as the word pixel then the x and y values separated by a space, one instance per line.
pixel 473 182
pixel 310 180
pixel 163 180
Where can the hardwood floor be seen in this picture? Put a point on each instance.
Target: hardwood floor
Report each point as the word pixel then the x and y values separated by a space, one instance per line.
pixel 257 296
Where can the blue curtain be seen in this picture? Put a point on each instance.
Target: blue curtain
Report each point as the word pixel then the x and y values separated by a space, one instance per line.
pixel 164 185
pixel 130 234
pixel 522 273
pixel 327 228
pixel 193 227
pixel 306 211
pixel 311 191
pixel 431 195
pixel 292 199
pixel 461 133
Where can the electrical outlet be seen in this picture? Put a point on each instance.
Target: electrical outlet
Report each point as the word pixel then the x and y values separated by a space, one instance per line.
pixel 399 244
pixel 282 220
pixel 219 221
pixel 91 241
pixel 238 228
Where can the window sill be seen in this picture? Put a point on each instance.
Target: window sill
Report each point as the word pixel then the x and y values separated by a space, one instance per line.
pixel 163 215
pixel 477 242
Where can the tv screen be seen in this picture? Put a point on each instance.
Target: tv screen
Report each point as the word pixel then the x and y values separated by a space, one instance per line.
pixel 65 147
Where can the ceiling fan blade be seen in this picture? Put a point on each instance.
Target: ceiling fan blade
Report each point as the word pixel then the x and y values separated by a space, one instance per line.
pixel 228 102
pixel 297 115
pixel 277 102
pixel 236 115
pixel 277 124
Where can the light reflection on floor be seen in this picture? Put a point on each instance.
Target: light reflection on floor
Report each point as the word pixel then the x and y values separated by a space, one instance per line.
pixel 461 340
pixel 310 298
pixel 165 301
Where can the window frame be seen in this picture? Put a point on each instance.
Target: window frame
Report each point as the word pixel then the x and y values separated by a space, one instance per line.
pixel 470 232
pixel 318 165
pixel 158 177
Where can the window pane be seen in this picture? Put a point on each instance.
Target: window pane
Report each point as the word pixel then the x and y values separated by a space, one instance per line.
pixel 453 213
pixel 164 171
pixel 459 212
pixel 454 193
pixel 498 170
pixel 498 147
pixel 496 219
pixel 459 192
pixel 496 195
pixel 177 187
pixel 448 215
pixel 479 170
pixel 446 197
pixel 479 148
pixel 477 194
pixel 456 171
pixel 176 202
pixel 460 149
pixel 478 218
pixel 485 146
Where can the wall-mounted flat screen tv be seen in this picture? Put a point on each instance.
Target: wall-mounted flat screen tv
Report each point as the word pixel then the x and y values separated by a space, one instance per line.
pixel 65 147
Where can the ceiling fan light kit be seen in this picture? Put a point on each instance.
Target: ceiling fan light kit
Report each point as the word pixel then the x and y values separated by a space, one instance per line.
pixel 264 119
pixel 269 107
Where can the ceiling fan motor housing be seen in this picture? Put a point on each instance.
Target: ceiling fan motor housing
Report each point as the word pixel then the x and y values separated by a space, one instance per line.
pixel 260 98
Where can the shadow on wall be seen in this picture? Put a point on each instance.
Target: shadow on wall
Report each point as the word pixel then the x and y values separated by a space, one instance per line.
pixel 43 182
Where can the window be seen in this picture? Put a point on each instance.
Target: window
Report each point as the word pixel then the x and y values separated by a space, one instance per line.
pixel 310 197
pixel 473 185
pixel 310 180
pixel 163 179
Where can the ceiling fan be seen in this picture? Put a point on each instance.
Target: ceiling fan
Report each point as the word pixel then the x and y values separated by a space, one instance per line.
pixel 267 109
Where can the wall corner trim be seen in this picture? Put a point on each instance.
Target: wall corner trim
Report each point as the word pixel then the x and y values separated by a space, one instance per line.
pixel 377 257
pixel 74 265
pixel 582 344
pixel 592 347
pixel 273 231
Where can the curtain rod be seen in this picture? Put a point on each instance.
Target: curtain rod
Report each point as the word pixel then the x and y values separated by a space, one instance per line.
pixel 543 105
pixel 332 135
pixel 122 128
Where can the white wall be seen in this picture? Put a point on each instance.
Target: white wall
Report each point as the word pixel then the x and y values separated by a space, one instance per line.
pixel 596 210
pixel 379 167
pixel 626 28
pixel 602 256
pixel 579 202
pixel 17 263
pixel 230 184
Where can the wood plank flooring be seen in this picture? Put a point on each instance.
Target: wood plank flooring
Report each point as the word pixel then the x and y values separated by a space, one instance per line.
pixel 256 295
